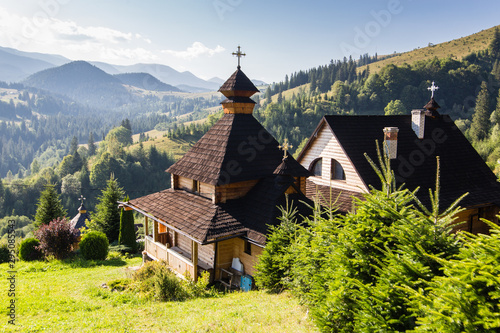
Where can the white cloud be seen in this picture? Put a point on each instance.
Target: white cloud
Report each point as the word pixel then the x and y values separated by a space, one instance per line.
pixel 52 35
pixel 194 51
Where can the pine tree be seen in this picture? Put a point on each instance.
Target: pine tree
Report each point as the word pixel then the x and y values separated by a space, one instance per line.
pixel 127 229
pixel 495 44
pixel 49 206
pixel 495 115
pixel 91 145
pixel 107 216
pixel 73 146
pixel 481 118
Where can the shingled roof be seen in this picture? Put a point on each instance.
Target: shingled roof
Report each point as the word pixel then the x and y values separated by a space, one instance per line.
pixel 203 221
pixel 238 81
pixel 236 148
pixel 462 169
pixel 194 216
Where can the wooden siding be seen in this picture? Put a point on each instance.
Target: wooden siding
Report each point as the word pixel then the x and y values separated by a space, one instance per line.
pixel 182 242
pixel 470 219
pixel 326 146
pixel 206 254
pixel 234 190
pixel 185 183
pixel 207 190
pixel 235 248
pixel 224 255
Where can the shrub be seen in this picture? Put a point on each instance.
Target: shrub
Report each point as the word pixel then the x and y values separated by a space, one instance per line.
pixel 127 229
pixel 57 238
pixel 28 250
pixel 94 246
pixel 4 253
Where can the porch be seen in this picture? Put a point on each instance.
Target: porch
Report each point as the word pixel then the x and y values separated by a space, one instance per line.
pixel 182 255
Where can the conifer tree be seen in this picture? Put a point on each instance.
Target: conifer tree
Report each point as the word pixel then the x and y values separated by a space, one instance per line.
pixel 495 115
pixel 107 216
pixel 73 147
pixel 49 206
pixel 481 118
pixel 91 145
pixel 495 44
pixel 127 229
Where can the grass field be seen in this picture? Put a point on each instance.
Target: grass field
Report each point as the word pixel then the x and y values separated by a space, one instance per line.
pixel 456 49
pixel 67 297
pixel 177 147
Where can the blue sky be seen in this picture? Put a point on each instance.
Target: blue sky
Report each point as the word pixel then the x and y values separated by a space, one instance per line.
pixel 279 37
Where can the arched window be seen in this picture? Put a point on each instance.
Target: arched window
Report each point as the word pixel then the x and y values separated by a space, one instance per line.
pixel 337 172
pixel 316 166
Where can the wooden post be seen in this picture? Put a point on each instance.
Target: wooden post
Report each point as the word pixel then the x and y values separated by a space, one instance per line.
pixel 155 231
pixel 146 226
pixel 194 259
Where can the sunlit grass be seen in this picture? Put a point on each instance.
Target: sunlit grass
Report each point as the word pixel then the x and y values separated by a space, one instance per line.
pixel 68 297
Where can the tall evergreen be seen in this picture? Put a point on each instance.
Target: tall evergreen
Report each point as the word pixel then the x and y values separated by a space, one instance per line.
pixel 49 206
pixel 481 118
pixel 127 229
pixel 495 44
pixel 495 115
pixel 73 146
pixel 107 216
pixel 91 145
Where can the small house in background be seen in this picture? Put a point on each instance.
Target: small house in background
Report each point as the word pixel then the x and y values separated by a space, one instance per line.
pixel 335 155
pixel 225 192
pixel 78 221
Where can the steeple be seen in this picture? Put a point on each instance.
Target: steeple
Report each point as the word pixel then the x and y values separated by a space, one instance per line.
pixel 432 105
pixel 238 89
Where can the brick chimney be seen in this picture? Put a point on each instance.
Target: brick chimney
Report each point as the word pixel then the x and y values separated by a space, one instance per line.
pixel 418 122
pixel 391 141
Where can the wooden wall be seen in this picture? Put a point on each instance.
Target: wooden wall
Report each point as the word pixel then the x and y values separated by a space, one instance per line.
pixel 471 219
pixel 327 146
pixel 233 191
pixel 235 248
pixel 205 190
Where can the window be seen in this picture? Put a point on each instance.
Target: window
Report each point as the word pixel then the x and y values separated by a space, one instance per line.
pixel 316 166
pixel 196 186
pixel 248 247
pixel 337 172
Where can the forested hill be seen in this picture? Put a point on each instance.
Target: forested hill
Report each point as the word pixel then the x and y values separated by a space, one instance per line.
pixel 145 81
pixel 83 83
pixel 292 108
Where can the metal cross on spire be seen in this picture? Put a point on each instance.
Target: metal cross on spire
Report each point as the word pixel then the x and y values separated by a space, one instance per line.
pixel 433 88
pixel 81 198
pixel 239 54
pixel 285 147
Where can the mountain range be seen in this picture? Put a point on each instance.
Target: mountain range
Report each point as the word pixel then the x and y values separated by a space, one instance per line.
pixel 17 66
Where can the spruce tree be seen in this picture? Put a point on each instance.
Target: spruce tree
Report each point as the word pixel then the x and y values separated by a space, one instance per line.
pixel 91 144
pixel 107 216
pixel 127 229
pixel 481 118
pixel 73 146
pixel 49 206
pixel 495 115
pixel 495 44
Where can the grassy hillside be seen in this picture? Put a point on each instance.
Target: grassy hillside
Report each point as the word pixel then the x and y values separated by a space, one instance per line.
pixel 67 297
pixel 176 147
pixel 456 49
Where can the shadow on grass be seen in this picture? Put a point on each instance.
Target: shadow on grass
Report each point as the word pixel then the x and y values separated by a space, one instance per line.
pixel 79 262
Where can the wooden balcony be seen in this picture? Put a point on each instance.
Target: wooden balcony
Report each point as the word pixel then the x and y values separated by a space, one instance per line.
pixel 178 260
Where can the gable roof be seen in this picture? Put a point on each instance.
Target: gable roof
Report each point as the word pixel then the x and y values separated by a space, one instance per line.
pixel 235 149
pixel 462 169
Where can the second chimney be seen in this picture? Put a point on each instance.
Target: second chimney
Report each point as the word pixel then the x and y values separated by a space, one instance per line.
pixel 418 122
pixel 391 141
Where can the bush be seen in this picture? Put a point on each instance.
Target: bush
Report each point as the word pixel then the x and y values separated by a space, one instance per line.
pixel 28 250
pixel 57 238
pixel 4 253
pixel 94 246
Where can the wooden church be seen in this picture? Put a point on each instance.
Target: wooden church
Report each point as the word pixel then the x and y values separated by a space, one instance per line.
pixel 335 156
pixel 225 192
